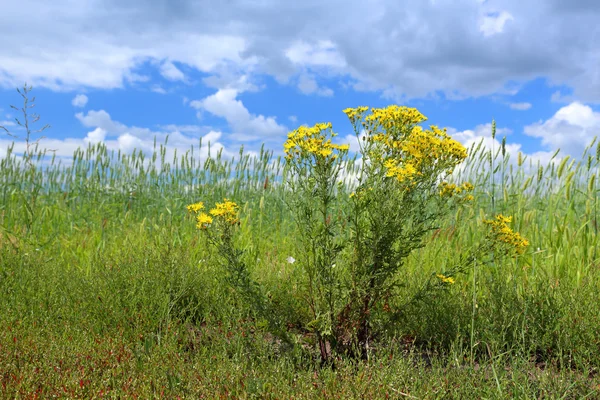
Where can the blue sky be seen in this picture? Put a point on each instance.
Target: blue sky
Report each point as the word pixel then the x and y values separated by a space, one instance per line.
pixel 247 72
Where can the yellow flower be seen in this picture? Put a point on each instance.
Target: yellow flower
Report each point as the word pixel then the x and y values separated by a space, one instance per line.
pixel 467 186
pixel 195 207
pixel 227 210
pixel 355 113
pixel 448 189
pixel 203 221
pixel 446 279
pixel 312 141
pixel 400 172
pixel 325 152
pixel 501 232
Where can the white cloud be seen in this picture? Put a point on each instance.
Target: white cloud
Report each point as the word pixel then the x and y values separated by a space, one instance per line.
pixel 92 58
pixel 158 89
pixel 352 140
pixel 245 126
pixel 169 71
pixel 482 134
pixel 520 106
pixel 182 128
pixel 571 129
pixel 484 131
pixel 95 136
pixel 308 85
pixel 558 97
pixel 118 136
pixel 100 119
pixel 493 23
pixel 321 54
pixel 7 123
pixel 227 78
pixel 80 100
pixel 128 143
pixel 194 103
pixel 438 46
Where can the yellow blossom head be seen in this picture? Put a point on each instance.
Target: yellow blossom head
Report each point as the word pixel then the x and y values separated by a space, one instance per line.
pixel 203 221
pixel 228 211
pixel 446 279
pixel 196 207
pixel 308 142
pixel 503 234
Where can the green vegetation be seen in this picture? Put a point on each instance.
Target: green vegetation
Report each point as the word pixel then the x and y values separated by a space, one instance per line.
pixel 108 289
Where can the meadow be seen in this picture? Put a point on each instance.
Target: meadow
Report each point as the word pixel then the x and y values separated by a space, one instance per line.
pixel 108 289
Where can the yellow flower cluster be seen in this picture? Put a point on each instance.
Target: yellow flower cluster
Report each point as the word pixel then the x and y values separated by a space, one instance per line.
pixel 422 149
pixel 405 148
pixel 502 232
pixel 312 141
pixel 401 171
pixel 203 220
pixel 450 189
pixel 446 279
pixel 355 113
pixel 227 210
pixel 195 207
pixel 389 118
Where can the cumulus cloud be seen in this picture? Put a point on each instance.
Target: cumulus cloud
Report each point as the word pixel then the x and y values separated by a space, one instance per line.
pixel 571 129
pixel 245 126
pixel 353 141
pixel 127 143
pixel 483 133
pixel 100 119
pixel 118 136
pixel 80 100
pixel 461 48
pixel 95 136
pixel 481 137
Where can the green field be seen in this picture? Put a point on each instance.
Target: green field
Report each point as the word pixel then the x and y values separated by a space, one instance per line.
pixel 108 290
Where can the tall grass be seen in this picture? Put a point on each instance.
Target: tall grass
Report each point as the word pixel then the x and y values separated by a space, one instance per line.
pixel 107 289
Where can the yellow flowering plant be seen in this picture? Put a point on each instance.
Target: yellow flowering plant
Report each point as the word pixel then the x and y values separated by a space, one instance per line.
pixel 314 164
pixel 219 226
pixel 353 246
pixel 401 196
pixel 510 242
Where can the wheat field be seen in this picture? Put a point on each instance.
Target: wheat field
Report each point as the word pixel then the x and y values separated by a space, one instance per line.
pixel 107 290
